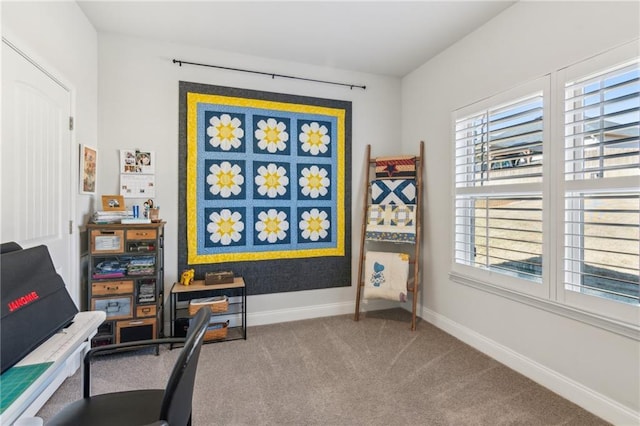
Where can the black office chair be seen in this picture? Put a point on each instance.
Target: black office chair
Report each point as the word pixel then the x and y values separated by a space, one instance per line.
pixel 156 407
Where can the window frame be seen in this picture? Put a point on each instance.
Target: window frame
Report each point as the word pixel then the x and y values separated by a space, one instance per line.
pixel 487 276
pixel 616 311
pixel 551 296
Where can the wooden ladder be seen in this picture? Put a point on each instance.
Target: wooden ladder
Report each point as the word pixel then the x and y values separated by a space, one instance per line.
pixel 415 258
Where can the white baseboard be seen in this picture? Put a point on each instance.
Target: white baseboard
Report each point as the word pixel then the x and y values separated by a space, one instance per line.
pixel 314 311
pixel 575 392
pixel 309 312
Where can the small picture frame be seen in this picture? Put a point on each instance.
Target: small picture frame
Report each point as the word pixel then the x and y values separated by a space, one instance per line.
pixel 88 169
pixel 112 203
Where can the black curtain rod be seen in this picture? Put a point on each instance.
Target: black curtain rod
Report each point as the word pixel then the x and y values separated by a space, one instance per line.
pixel 273 75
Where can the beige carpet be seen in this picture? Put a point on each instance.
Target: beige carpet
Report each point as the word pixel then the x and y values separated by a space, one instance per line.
pixel 335 371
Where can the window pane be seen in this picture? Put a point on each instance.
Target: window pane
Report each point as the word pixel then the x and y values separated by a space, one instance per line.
pixel 602 124
pixel 503 234
pixel 501 145
pixel 602 223
pixel 601 245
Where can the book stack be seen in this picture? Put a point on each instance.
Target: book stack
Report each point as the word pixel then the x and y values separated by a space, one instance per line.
pixel 124 217
pixel 104 217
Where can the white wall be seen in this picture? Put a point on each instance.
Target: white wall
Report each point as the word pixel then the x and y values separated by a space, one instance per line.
pixel 138 108
pixel 598 369
pixel 137 101
pixel 59 37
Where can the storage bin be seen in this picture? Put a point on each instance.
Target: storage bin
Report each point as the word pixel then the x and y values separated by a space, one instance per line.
pixel 216 331
pixel 107 241
pixel 217 304
pixel 114 307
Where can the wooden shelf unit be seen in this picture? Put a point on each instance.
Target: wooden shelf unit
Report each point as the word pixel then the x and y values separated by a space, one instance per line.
pixel 133 302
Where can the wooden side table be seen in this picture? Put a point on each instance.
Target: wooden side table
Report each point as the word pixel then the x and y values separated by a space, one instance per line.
pixel 236 312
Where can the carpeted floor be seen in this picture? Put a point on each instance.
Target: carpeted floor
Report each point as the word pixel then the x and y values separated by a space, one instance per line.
pixel 335 371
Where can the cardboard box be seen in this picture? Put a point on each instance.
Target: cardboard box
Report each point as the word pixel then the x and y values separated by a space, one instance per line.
pixel 224 277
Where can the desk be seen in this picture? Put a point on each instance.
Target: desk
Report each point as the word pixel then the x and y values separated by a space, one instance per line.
pixel 50 364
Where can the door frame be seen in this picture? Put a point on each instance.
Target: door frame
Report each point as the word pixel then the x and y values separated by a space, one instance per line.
pixel 21 47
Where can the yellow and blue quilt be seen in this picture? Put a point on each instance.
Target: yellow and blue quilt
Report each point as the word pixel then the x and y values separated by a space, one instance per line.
pixel 266 179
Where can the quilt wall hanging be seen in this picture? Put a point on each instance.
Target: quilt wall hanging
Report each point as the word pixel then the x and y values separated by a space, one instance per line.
pixel 265 187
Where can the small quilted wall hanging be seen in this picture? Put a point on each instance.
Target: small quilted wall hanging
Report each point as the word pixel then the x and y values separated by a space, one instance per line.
pixel 386 275
pixel 265 187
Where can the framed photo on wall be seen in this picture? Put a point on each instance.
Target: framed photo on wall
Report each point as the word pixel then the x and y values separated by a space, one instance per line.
pixel 88 169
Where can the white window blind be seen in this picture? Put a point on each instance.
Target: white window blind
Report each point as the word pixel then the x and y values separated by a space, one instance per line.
pixel 547 190
pixel 602 115
pixel 602 169
pixel 601 245
pixel 498 206
pixel 503 234
pixel 501 145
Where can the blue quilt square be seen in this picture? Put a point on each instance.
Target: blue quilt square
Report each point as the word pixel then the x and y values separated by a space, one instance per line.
pixel 225 227
pixel 314 138
pixel 272 225
pixel 271 135
pixel 314 181
pixel 314 224
pixel 225 180
pixel 271 181
pixel 224 131
pixel 393 191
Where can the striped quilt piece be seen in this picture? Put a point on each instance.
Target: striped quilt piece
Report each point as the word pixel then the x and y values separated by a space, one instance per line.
pixel 396 167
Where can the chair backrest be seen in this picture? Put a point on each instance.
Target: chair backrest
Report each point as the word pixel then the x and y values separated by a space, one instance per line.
pixel 176 404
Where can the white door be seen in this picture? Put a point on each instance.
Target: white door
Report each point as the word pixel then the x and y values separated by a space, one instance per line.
pixel 35 154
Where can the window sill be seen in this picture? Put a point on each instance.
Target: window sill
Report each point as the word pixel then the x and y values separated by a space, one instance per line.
pixel 608 324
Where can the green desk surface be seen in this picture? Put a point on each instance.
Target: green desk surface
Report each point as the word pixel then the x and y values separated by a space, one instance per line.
pixel 15 380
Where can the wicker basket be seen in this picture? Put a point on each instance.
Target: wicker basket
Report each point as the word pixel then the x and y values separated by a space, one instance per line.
pixel 216 331
pixel 216 304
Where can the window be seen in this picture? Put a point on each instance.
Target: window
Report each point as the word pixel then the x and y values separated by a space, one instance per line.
pixel 602 203
pixel 548 205
pixel 499 165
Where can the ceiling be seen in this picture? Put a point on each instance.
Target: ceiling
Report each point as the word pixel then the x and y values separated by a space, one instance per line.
pixel 380 37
